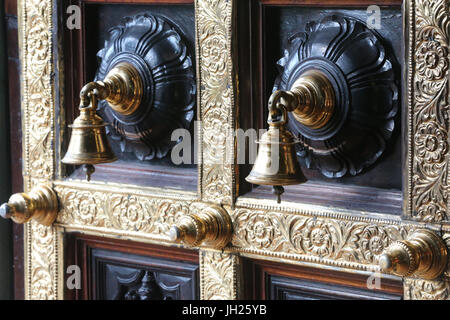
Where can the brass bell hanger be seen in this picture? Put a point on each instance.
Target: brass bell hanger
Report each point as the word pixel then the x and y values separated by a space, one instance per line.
pixel 276 163
pixel 89 145
pixel 311 100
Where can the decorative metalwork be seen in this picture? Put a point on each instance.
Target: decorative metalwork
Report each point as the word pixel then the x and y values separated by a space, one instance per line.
pixel 428 105
pixel 217 89
pixel 42 244
pixel 40 204
pixel 293 232
pixel 218 275
pixel 418 289
pixel 351 133
pixel 423 254
pixel 212 226
pixel 332 239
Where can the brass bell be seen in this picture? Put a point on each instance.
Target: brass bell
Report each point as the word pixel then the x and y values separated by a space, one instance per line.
pixel 88 144
pixel 276 163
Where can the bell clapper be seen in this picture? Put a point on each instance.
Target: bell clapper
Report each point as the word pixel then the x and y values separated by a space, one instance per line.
pixel 278 191
pixel 89 170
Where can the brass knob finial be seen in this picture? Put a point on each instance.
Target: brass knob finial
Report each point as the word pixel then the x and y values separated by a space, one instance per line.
pixel 211 226
pixel 40 204
pixel 314 99
pixel 423 254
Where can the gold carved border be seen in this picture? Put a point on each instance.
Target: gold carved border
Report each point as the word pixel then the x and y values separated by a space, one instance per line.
pixel 427 30
pixel 214 24
pixel 42 244
pixel 292 233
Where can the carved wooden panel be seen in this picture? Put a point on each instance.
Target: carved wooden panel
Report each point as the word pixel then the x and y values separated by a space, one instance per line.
pixel 274 281
pixel 120 270
pixel 283 288
pixel 118 276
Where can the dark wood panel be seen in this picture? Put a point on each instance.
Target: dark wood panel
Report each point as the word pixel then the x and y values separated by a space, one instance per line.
pixel 328 3
pixel 142 1
pixel 81 47
pixel 266 280
pixel 284 288
pixel 15 130
pixel 122 270
pixel 269 25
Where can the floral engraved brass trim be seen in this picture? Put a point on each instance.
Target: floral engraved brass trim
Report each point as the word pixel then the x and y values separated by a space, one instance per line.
pixel 37 87
pixel 416 289
pixel 355 244
pixel 429 98
pixel 218 276
pixel 125 213
pixel 214 32
pixel 44 253
pixel 42 245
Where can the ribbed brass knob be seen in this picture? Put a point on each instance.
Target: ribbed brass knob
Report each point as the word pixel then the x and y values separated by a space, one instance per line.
pixel 211 226
pixel 423 254
pixel 40 204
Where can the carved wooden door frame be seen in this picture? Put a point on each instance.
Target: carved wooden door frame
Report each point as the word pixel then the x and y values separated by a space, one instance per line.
pixel 261 228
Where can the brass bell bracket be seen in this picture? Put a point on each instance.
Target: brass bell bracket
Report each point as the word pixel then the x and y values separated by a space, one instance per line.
pixel 311 99
pixel 123 90
pixel 211 227
pixel 423 255
pixel 40 205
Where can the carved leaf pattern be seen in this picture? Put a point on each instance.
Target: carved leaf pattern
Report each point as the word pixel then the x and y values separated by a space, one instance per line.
pixel 43 257
pixel 38 157
pixel 417 289
pixel 38 86
pixel 430 111
pixel 121 212
pixel 218 276
pixel 216 97
pixel 338 240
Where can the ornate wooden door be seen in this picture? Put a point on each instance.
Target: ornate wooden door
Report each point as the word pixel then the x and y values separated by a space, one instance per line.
pixel 366 204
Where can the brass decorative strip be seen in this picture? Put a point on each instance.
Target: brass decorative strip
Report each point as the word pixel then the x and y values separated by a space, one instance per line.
pixel 350 244
pixel 42 245
pixel 428 95
pixel 216 89
pixel 219 274
pixel 132 214
pixel 36 39
pixel 417 289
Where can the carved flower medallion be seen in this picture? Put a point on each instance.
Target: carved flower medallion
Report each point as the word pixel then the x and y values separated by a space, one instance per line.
pixel 431 143
pixel 260 231
pixel 432 60
pixel 214 53
pixel 373 242
pixel 317 238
